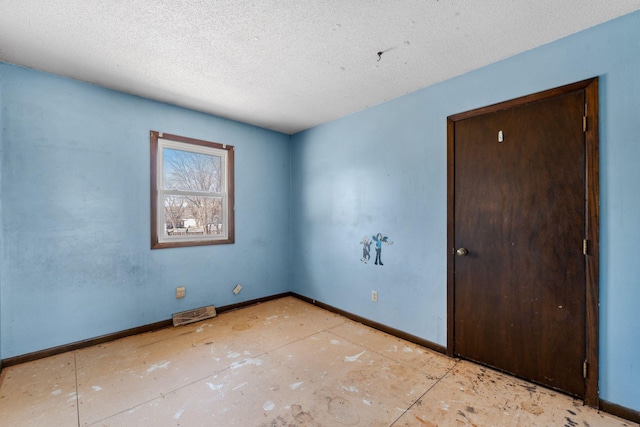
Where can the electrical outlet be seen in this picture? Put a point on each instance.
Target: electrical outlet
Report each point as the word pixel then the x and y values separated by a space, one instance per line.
pixel 374 296
pixel 180 292
pixel 237 289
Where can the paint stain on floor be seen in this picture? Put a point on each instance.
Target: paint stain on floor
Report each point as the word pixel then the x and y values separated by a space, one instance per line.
pixel 532 408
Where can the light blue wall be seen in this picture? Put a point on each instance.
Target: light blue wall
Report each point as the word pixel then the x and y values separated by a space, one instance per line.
pixel 75 198
pixel 384 170
pixel 1 221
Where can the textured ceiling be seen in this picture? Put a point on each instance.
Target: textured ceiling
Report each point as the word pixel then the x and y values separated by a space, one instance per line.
pixel 285 65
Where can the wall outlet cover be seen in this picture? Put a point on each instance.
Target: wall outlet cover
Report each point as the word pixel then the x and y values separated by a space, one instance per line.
pixel 237 289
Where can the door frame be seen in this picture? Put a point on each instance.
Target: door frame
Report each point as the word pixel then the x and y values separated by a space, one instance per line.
pixel 592 221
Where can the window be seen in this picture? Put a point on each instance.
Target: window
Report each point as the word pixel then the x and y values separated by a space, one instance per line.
pixel 191 192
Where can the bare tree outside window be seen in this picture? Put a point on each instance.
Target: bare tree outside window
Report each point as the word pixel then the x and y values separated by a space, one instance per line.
pixel 193 181
pixel 175 209
pixel 195 172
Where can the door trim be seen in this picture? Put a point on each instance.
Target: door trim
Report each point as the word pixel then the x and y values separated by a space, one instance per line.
pixel 592 220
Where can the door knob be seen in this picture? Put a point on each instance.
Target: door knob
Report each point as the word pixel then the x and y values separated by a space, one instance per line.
pixel 462 252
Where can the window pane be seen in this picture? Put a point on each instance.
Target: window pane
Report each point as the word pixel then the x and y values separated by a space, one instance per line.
pixel 184 170
pixel 193 216
pixel 191 192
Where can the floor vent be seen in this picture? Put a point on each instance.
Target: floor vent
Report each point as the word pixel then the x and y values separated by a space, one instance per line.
pixel 194 315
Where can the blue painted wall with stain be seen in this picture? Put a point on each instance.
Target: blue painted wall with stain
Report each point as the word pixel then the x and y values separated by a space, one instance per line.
pixel 384 169
pixel 77 262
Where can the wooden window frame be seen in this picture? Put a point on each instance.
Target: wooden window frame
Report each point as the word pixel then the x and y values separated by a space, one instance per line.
pixel 228 193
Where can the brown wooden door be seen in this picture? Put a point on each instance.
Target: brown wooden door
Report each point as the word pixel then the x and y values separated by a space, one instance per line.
pixel 520 212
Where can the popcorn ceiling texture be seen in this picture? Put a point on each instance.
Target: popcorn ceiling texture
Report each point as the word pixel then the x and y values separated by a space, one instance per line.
pixel 284 65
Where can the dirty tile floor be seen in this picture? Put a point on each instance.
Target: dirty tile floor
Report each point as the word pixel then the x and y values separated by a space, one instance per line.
pixel 279 363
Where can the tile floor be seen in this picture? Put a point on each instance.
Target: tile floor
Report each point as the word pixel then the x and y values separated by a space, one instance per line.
pixel 280 363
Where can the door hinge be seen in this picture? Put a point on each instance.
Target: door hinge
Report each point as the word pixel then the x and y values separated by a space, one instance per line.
pixel 585 247
pixel 584 369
